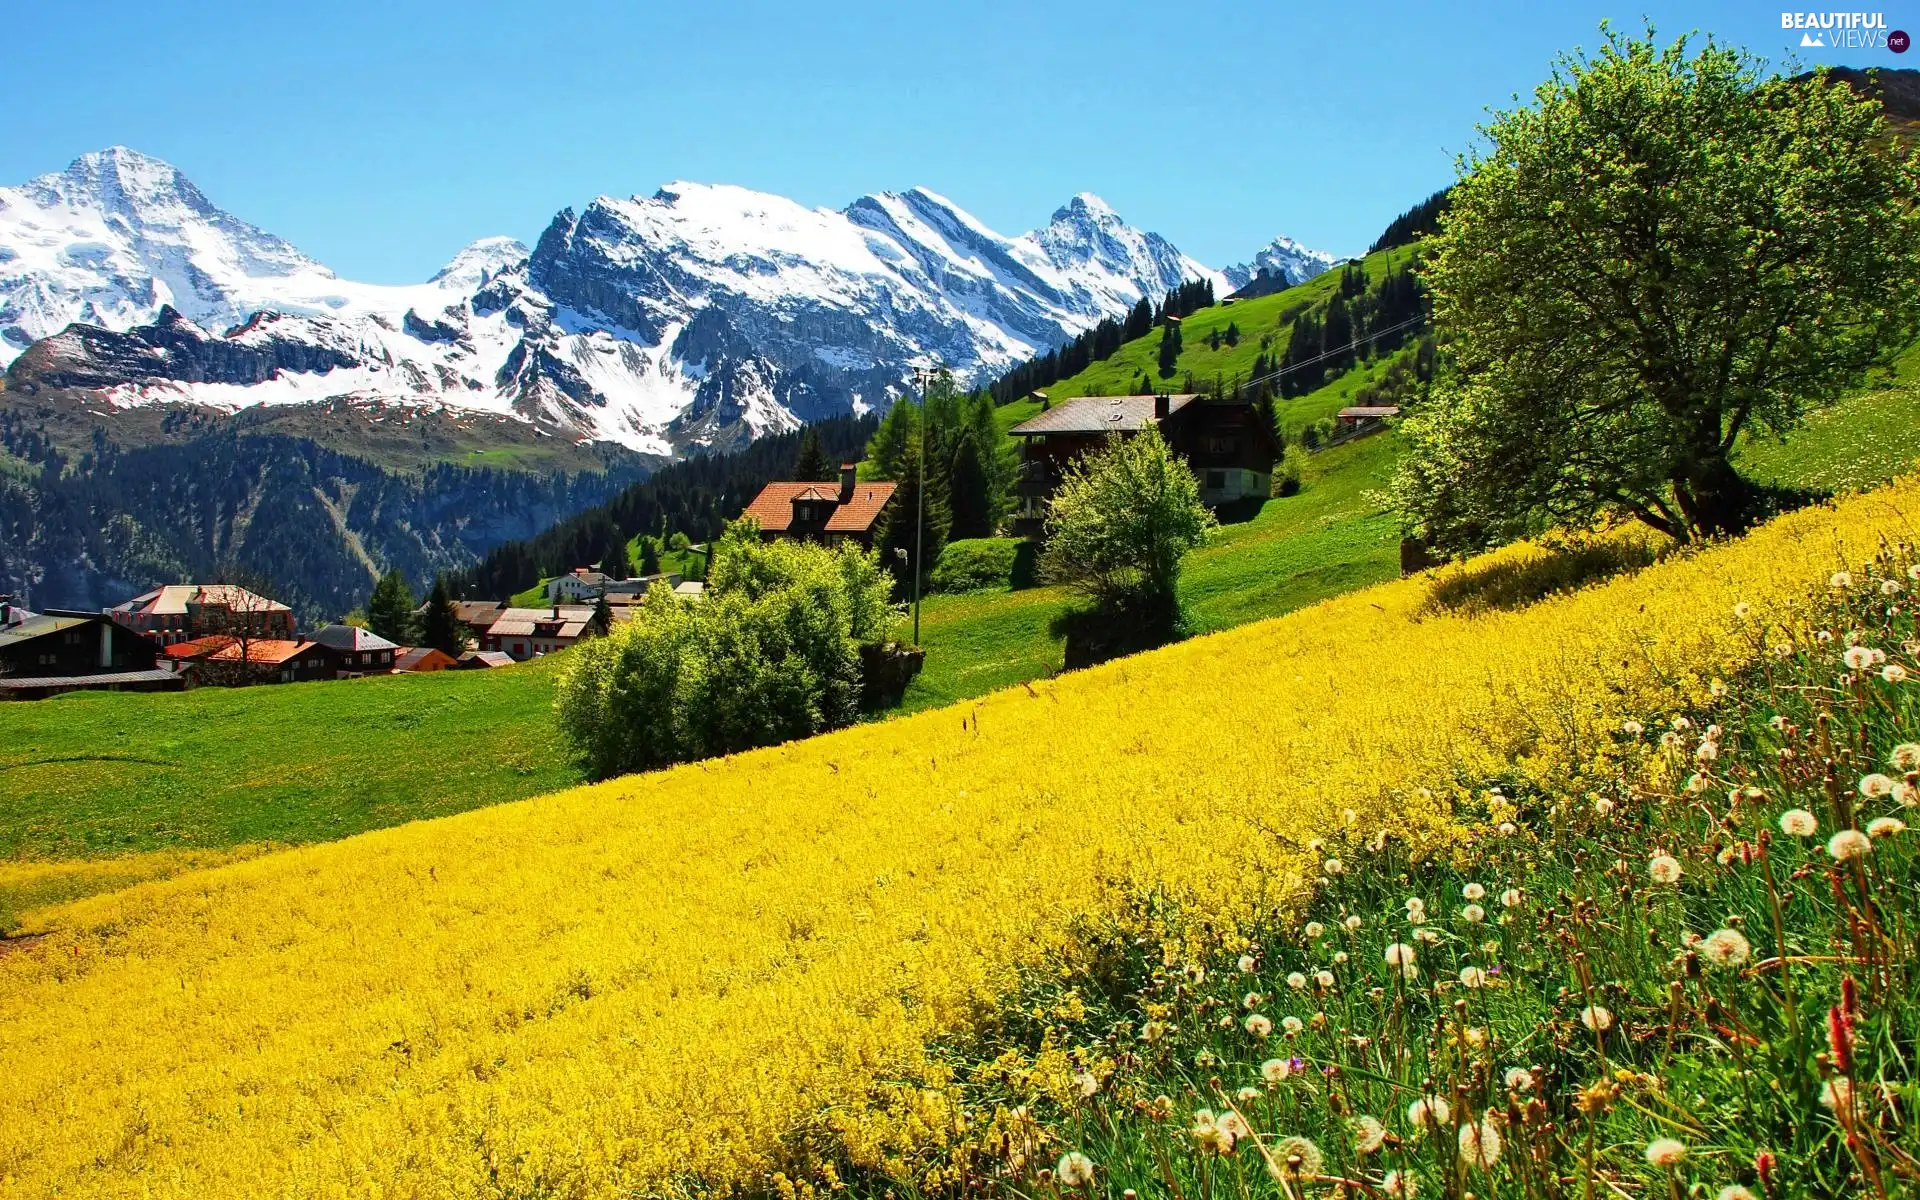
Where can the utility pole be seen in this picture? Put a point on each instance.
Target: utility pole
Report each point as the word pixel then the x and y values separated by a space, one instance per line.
pixel 924 377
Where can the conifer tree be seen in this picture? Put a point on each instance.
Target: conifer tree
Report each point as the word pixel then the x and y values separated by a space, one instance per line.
pixel 440 626
pixel 812 465
pixel 613 559
pixel 649 556
pixel 390 609
pixel 1169 348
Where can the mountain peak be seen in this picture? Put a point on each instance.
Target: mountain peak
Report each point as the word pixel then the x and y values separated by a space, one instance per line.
pixel 1088 208
pixel 481 260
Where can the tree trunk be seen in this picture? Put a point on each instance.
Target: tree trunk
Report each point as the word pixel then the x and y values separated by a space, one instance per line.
pixel 1713 497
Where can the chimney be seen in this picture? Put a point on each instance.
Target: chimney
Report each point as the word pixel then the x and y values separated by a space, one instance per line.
pixel 847 472
pixel 6 611
pixel 1162 405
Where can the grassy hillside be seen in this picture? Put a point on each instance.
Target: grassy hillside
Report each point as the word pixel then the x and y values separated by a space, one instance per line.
pixel 1264 325
pixel 726 977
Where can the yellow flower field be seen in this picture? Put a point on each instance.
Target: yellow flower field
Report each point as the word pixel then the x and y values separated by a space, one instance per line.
pixel 657 982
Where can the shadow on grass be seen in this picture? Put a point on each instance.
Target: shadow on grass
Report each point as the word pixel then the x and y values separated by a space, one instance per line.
pixel 1509 585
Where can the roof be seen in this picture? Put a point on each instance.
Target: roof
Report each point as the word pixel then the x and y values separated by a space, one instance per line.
pixel 173 598
pixel 1371 410
pixel 522 622
pixel 1099 414
pixel 486 658
pixel 38 625
pixel 221 648
pixel 690 587
pixel 155 675
pixel 588 575
pixel 351 638
pixel 773 507
pixel 409 658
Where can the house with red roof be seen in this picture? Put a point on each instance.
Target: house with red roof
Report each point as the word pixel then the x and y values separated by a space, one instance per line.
pixel 822 512
pixel 181 612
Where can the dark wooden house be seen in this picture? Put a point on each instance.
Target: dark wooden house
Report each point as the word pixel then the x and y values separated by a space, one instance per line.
pixel 1226 444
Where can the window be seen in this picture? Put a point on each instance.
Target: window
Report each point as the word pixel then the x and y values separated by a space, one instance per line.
pixel 1216 481
pixel 1222 445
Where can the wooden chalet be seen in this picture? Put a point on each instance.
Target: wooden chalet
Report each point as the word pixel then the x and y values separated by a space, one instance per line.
pixel 1224 442
pixel 822 512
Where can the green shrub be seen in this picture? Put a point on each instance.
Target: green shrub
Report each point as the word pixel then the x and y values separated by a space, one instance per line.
pixel 974 564
pixel 770 653
pixel 1286 475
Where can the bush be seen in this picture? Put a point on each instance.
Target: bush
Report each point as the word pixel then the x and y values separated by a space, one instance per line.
pixel 974 564
pixel 771 653
pixel 1286 475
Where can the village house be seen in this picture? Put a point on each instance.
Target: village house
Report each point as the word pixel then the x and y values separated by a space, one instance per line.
pixel 181 612
pixel 483 660
pixel 524 633
pixel 44 654
pixel 1358 417
pixel 422 660
pixel 578 586
pixel 357 651
pixel 633 591
pixel 229 661
pixel 822 512
pixel 1224 441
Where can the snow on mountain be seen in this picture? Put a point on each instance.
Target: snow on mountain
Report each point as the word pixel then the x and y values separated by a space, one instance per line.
pixel 703 315
pixel 1282 254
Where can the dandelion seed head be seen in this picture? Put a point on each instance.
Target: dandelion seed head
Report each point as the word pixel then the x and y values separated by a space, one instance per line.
pixel 1275 1070
pixel 1519 1079
pixel 1841 579
pixel 1473 977
pixel 1480 1143
pixel 1473 914
pixel 1726 948
pixel 1798 822
pixel 1398 954
pixel 1881 827
pixel 1296 980
pixel 1893 673
pixel 1597 1018
pixel 1294 1159
pixel 1293 1025
pixel 1074 1170
pixel 1632 728
pixel 1368 1135
pixel 1734 1191
pixel 1837 1093
pixel 1429 1110
pixel 1313 930
pixel 1339 956
pixel 1473 891
pixel 1664 868
pixel 1857 658
pixel 1333 866
pixel 1352 922
pixel 1665 1153
pixel 1323 978
pixel 1741 610
pixel 1849 844
pixel 1400 1185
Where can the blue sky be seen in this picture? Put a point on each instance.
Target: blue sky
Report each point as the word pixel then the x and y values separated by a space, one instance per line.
pixel 380 138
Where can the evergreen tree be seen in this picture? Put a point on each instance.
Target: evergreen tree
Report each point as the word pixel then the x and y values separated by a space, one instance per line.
pixel 390 609
pixel 812 466
pixel 440 627
pixel 601 623
pixel 1169 348
pixel 895 440
pixel 649 557
pixel 613 559
pixel 1233 334
pixel 895 536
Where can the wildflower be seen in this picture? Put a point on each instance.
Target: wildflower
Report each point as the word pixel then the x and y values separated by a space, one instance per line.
pixel 1841 579
pixel 1400 1185
pixel 1368 1135
pixel 1086 1084
pixel 1294 1160
pixel 1475 1037
pixel 1519 1079
pixel 1274 1071
pixel 1210 1136
pixel 1247 964
pixel 1508 828
pixel 1725 948
pixel 1152 1031
pixel 1881 827
pixel 1875 786
pixel 1292 1025
pixel 1313 930
pixel 1857 658
pixel 1906 794
pixel 1893 673
pixel 1296 980
pixel 1473 891
pixel 1426 935
pixel 1837 1094
pixel 1510 898
pixel 1352 923
pixel 1323 978
pixel 1665 1153
pixel 1429 1110
pixel 1798 822
pixel 1415 904
pixel 1706 752
pixel 1075 1170
pixel 1632 728
pixel 1418 917
pixel 1473 914
pixel 1252 1000
pixel 1480 1143
pixel 1849 844
pixel 1247 1095
pixel 1664 868
pixel 1741 610
pixel 1234 1125
pixel 1473 977
pixel 1777 722
pixel 1890 587
pixel 1734 1191
pixel 1597 1018
pixel 1339 956
pixel 1399 954
pixel 1259 1025
pixel 1333 866
pixel 1602 807
pixel 1906 756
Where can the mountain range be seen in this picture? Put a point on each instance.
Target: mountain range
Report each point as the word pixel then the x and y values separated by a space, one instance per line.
pixel 701 316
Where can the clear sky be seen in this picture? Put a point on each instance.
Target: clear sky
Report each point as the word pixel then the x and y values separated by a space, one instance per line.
pixel 382 137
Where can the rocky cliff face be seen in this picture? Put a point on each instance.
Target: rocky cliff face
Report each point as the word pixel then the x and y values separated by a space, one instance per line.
pixel 700 316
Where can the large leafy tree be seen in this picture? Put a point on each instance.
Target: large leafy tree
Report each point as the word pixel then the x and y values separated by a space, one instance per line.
pixel 1120 523
pixel 1665 251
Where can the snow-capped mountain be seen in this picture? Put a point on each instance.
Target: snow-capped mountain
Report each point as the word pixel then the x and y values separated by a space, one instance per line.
pixel 1281 255
pixel 701 315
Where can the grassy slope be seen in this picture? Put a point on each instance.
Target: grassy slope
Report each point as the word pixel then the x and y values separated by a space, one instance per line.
pixel 100 773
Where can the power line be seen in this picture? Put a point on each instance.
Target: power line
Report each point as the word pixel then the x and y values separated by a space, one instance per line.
pixel 1334 353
